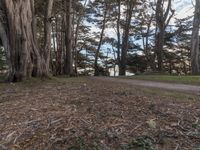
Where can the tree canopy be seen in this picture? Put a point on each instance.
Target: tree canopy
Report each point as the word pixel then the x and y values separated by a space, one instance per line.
pixel 55 37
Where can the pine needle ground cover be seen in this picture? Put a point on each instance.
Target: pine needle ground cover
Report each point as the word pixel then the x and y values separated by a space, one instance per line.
pixel 87 114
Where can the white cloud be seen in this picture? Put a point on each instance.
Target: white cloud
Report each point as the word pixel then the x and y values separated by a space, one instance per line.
pixel 184 8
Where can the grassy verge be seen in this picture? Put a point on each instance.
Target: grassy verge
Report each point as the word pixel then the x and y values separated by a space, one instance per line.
pixel 39 81
pixel 179 96
pixel 195 80
pixel 127 90
pixel 138 90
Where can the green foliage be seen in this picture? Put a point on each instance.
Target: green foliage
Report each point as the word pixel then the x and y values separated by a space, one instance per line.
pixel 196 131
pixel 141 143
pixel 196 125
pixel 167 78
pixel 123 92
pixel 81 144
pixel 197 148
pixel 136 63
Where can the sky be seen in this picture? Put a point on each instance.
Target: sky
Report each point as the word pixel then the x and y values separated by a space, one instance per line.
pixel 184 8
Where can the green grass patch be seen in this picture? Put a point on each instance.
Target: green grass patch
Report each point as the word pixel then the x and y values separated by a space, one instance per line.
pixel 51 80
pixel 41 81
pixel 165 93
pixel 82 144
pixel 195 80
pixel 141 143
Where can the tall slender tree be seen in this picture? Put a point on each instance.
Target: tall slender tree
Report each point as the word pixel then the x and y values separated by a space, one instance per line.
pixel 195 49
pixel 162 20
pixel 47 35
pixel 96 68
pixel 125 41
pixel 118 32
pixel 68 38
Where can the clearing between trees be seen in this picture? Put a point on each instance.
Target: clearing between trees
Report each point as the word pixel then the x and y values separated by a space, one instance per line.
pixel 88 114
pixel 146 82
pixel 181 79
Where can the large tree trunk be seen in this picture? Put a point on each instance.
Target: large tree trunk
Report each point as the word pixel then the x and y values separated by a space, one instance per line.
pixel 47 33
pixel 59 44
pixel 162 20
pixel 20 35
pixel 122 67
pixel 25 58
pixel 195 51
pixel 68 38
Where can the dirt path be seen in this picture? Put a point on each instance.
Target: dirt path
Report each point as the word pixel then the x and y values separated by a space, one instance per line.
pixel 168 86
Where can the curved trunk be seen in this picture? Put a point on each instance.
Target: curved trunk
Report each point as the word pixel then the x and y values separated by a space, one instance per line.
pixel 24 54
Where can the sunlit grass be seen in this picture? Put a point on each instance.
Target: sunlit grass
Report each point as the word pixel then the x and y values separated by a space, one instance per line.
pixel 167 78
pixel 166 93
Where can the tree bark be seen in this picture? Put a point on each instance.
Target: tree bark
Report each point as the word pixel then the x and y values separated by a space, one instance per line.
pixel 6 45
pixel 77 30
pixel 162 20
pixel 47 33
pixel 122 67
pixel 68 38
pixel 96 68
pixel 118 33
pixel 159 47
pixel 75 45
pixel 25 58
pixel 195 51
pixel 146 45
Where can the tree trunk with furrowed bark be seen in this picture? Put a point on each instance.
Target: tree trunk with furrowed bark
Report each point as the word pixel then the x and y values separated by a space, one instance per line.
pixel 195 49
pixel 26 60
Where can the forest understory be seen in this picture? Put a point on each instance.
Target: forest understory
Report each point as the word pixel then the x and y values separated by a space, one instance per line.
pixel 87 114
